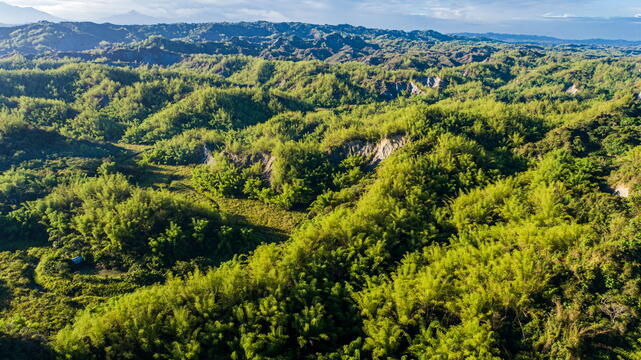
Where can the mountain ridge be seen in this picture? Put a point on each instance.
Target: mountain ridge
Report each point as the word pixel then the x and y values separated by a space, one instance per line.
pixel 10 14
pixel 165 44
pixel 171 43
pixel 547 40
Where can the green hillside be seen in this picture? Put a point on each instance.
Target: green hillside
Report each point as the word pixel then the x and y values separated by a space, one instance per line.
pixel 404 196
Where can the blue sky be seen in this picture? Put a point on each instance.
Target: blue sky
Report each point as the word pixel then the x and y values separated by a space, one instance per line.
pixel 544 17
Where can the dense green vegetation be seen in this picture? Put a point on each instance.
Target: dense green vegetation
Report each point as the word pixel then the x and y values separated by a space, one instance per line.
pixel 245 207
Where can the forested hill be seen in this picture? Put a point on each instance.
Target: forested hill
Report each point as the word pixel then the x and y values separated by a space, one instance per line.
pixel 167 43
pixel 238 206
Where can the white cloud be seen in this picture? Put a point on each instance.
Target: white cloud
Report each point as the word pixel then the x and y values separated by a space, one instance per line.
pixel 336 10
pixel 316 4
pixel 221 2
pixel 556 16
pixel 256 14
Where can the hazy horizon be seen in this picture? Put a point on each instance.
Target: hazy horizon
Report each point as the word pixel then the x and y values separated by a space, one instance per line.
pixel 566 19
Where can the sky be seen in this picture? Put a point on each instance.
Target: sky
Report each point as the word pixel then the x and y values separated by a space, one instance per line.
pixel 561 18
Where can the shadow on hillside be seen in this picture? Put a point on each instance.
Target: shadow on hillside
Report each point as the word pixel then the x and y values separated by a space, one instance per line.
pixel 32 143
pixel 22 245
pixel 258 235
pixel 17 348
pixel 5 296
pixel 267 235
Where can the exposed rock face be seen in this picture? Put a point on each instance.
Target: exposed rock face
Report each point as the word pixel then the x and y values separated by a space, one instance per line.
pixel 208 157
pixel 244 161
pixel 573 90
pixel 268 165
pixel 414 89
pixel 392 90
pixel 375 152
pixel 387 146
pixel 622 190
pixel 433 82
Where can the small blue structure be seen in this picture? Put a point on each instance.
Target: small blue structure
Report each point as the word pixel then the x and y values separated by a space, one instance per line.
pixel 77 260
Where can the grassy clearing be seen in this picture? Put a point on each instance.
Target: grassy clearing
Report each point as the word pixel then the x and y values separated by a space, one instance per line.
pixel 178 179
pixel 261 214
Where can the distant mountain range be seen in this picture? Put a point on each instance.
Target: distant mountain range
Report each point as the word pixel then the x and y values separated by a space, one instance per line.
pixel 168 43
pixel 551 30
pixel 546 40
pixel 16 15
pixel 10 14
